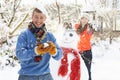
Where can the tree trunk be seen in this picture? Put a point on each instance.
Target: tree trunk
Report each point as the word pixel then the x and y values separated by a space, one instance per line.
pixel 11 33
pixel 59 16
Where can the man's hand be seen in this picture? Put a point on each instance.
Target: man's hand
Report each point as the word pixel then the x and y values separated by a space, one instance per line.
pixel 45 47
pixel 41 49
pixel 52 48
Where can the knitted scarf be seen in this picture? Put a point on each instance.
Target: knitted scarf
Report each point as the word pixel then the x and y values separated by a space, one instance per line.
pixel 38 32
pixel 75 64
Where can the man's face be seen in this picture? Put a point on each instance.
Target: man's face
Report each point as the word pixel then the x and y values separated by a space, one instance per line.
pixel 38 19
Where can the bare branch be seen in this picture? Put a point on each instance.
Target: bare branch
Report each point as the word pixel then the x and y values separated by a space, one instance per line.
pixel 11 33
pixel 15 6
pixel 58 7
pixel 19 1
pixel 3 40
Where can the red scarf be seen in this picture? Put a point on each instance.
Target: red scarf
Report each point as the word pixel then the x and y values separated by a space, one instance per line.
pixel 75 64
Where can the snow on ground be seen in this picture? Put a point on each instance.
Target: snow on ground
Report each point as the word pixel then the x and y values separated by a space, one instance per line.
pixel 105 64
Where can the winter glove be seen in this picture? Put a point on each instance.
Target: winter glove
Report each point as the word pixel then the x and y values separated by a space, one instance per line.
pixel 41 49
pixel 52 48
pixel 90 29
pixel 45 47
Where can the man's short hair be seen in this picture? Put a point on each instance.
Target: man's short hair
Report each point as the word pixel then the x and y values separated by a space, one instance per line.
pixel 37 10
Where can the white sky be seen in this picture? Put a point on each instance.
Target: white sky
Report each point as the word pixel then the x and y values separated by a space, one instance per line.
pixel 50 1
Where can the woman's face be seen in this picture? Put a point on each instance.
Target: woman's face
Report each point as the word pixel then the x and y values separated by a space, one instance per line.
pixel 84 20
pixel 38 19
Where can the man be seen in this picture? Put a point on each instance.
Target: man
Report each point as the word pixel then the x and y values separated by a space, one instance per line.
pixel 85 31
pixel 35 46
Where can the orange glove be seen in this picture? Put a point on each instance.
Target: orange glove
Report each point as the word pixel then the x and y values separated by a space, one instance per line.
pixel 46 47
pixel 52 48
pixel 41 49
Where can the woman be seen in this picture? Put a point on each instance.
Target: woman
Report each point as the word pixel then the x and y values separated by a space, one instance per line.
pixel 85 31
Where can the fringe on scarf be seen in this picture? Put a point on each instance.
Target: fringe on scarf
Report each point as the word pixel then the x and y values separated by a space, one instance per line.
pixel 75 64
